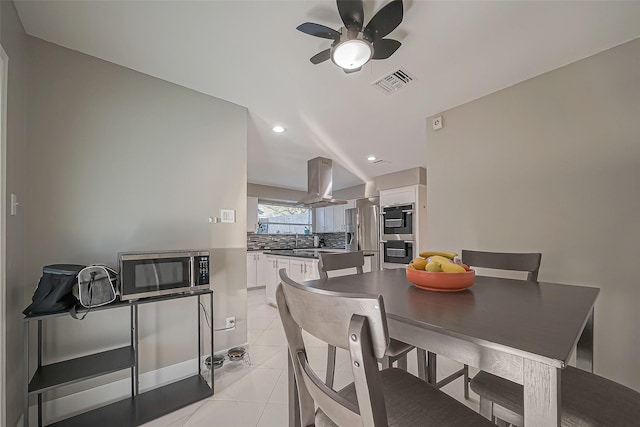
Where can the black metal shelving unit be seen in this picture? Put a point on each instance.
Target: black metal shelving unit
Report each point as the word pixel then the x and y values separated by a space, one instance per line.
pixel 135 410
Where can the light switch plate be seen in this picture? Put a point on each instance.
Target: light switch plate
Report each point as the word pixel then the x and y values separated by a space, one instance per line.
pixel 437 123
pixel 228 215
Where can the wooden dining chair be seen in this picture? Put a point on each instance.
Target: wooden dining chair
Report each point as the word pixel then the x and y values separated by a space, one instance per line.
pixel 397 350
pixel 587 400
pixel 357 323
pixel 523 262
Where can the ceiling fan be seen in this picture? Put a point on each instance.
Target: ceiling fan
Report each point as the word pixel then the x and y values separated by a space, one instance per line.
pixel 355 44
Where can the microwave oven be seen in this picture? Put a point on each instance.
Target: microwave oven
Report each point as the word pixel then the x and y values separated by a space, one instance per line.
pixel 151 274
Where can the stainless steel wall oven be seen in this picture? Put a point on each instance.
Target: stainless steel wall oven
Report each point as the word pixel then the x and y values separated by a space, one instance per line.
pixel 397 222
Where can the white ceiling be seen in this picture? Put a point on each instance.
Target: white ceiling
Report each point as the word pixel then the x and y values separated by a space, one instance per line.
pixel 249 53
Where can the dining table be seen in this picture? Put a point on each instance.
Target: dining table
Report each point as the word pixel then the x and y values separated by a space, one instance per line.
pixel 520 330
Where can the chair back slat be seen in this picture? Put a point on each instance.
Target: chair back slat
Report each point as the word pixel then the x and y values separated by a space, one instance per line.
pixel 339 409
pixel 326 314
pixel 332 262
pixel 526 262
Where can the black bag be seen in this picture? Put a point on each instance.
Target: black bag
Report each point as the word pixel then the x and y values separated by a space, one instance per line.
pixel 55 290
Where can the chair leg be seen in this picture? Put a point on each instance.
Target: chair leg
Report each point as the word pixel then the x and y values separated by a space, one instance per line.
pixel 331 365
pixel 402 362
pixel 422 364
pixel 486 408
pixel 431 365
pixel 386 362
pixel 466 381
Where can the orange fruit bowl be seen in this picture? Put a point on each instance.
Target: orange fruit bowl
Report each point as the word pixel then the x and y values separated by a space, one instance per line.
pixel 441 282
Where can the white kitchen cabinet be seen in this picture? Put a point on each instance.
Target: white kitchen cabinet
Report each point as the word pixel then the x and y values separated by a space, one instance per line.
pixel 398 196
pixel 252 270
pixel 338 218
pixel 330 219
pixel 252 214
pixel 296 269
pixel 263 270
pixel 273 278
pixel 256 273
pixel 311 269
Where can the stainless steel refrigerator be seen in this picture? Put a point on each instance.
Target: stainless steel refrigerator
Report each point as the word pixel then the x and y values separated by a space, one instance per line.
pixel 362 225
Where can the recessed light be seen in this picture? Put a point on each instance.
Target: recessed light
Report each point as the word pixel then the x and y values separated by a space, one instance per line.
pixel 371 158
pixel 278 129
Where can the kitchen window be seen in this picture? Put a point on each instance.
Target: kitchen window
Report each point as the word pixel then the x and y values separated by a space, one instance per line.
pixel 283 219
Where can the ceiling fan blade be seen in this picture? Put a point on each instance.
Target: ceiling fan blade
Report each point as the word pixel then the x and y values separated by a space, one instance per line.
pixel 385 21
pixel 384 48
pixel 351 71
pixel 318 30
pixel 320 57
pixel 352 13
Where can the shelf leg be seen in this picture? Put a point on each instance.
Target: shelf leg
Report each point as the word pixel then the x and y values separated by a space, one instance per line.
pixel 135 349
pixel 211 353
pixel 39 366
pixel 25 409
pixel 200 337
pixel 135 337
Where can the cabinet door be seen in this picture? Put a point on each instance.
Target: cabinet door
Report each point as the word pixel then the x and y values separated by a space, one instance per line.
pixel 338 218
pixel 328 219
pixel 296 270
pixel 319 220
pixel 252 214
pixel 311 270
pixel 263 270
pixel 272 279
pixel 398 196
pixel 252 270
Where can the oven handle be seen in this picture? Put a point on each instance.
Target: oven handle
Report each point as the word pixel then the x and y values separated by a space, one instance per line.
pixel 406 241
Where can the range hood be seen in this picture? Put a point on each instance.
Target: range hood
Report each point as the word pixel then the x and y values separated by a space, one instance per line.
pixel 320 184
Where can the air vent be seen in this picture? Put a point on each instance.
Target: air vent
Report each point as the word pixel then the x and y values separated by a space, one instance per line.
pixel 381 162
pixel 394 81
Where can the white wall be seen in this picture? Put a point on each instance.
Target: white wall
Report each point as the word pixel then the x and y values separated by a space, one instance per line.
pixel 553 165
pixel 122 161
pixel 14 42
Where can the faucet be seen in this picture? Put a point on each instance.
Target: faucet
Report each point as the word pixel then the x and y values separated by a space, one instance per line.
pixel 296 242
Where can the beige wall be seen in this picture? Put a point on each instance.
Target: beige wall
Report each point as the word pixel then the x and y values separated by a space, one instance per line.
pixel 404 178
pixel 13 40
pixel 553 165
pixel 269 192
pixel 122 161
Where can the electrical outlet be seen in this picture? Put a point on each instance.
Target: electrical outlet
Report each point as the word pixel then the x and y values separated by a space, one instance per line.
pixel 231 322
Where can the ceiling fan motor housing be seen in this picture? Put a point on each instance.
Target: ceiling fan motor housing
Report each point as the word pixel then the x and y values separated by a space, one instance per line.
pixel 350 36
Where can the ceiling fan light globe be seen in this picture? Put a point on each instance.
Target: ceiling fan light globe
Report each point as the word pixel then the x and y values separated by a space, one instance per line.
pixel 351 54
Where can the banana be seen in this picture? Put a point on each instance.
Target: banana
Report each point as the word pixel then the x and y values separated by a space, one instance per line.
pixel 449 267
pixel 427 254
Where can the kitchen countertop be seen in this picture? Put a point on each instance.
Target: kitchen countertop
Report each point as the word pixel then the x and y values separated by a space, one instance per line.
pixel 312 253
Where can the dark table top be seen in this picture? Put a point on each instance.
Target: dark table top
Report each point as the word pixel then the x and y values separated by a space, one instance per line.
pixel 545 319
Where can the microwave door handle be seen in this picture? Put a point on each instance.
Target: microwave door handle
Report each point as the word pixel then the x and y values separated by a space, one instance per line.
pixel 192 271
pixel 156 275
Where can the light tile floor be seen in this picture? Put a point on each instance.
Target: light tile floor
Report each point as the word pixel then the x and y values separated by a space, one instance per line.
pixel 255 394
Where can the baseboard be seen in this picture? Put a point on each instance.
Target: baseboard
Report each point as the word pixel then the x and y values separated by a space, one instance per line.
pixel 77 403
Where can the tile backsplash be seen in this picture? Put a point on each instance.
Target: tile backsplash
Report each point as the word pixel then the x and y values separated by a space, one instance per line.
pixel 291 241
